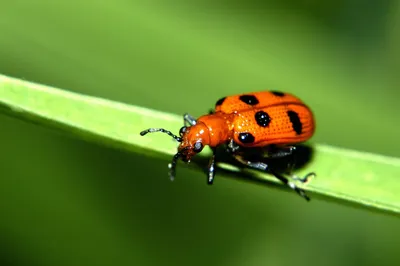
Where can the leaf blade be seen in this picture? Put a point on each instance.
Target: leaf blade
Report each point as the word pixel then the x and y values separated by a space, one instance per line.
pixel 362 178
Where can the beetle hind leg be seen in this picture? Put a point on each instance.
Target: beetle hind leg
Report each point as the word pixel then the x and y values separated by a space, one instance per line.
pixel 292 185
pixel 281 152
pixel 305 179
pixel 288 151
pixel 264 167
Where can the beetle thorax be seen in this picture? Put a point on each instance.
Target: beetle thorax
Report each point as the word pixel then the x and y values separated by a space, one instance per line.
pixel 219 128
pixel 196 133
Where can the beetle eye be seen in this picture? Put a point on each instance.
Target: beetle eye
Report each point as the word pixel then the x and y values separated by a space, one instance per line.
pixel 182 130
pixel 198 146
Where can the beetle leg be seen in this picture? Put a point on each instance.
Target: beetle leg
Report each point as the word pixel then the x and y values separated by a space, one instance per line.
pixel 286 151
pixel 281 152
pixel 211 111
pixel 299 191
pixel 189 120
pixel 264 167
pixel 172 166
pixel 232 147
pixel 304 179
pixel 256 165
pixel 211 168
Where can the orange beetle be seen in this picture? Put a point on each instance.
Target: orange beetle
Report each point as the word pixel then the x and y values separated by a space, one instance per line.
pixel 271 120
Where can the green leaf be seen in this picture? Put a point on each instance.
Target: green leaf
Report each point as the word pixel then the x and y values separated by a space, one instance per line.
pixel 359 178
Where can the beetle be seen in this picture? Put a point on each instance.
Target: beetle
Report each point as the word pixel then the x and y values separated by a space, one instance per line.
pixel 271 122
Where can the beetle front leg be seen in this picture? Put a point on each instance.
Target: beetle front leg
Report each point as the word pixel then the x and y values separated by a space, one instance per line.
pixel 189 120
pixel 211 168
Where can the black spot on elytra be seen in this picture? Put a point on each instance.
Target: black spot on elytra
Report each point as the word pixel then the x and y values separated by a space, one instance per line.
pixel 262 119
pixel 249 99
pixel 278 93
pixel 295 120
pixel 220 101
pixel 246 138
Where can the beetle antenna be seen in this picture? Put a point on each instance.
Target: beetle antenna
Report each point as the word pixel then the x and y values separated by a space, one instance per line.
pixel 172 166
pixel 152 130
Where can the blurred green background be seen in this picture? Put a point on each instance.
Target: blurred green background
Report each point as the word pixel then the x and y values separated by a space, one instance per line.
pixel 64 201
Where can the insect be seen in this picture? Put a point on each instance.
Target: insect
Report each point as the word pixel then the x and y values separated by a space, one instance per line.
pixel 269 122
